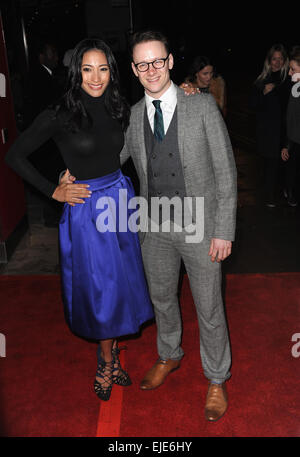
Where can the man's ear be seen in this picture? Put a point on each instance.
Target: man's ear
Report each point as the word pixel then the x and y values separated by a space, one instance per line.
pixel 171 61
pixel 134 69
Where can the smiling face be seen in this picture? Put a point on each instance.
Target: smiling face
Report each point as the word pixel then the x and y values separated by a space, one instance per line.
pixel 155 81
pixel 277 61
pixel 95 72
pixel 205 76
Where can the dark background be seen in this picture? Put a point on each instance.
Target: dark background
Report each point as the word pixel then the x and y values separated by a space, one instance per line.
pixel 235 36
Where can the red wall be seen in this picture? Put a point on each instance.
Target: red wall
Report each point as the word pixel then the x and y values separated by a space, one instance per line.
pixel 12 201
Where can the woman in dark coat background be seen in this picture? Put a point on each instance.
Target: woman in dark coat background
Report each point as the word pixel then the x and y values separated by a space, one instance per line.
pixel 291 152
pixel 269 98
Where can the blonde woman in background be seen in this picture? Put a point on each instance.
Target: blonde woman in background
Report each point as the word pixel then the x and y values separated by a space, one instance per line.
pixel 269 98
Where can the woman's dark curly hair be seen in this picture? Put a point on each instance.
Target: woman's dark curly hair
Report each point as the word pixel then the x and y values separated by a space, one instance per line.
pixel 71 103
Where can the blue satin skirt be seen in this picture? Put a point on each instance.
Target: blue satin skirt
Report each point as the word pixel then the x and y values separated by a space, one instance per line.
pixel 104 289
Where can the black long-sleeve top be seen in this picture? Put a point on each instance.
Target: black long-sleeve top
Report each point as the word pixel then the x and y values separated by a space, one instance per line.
pixel 89 153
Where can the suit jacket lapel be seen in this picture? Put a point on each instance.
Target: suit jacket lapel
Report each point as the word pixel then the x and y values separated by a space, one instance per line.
pixel 181 120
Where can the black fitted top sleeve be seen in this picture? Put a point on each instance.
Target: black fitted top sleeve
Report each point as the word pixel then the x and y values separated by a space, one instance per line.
pixel 89 153
pixel 31 139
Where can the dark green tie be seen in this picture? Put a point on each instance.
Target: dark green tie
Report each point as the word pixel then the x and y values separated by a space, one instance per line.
pixel 159 132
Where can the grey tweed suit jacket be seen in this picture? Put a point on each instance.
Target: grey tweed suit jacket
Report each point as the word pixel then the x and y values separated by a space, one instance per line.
pixel 207 159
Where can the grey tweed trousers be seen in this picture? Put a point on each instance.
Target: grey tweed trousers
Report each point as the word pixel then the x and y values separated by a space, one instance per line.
pixel 162 254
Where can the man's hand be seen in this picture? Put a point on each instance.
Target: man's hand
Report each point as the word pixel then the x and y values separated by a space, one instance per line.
pixel 69 192
pixel 219 249
pixel 285 154
pixel 67 178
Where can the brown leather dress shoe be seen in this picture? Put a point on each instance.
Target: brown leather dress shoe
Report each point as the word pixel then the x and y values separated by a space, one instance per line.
pixel 158 373
pixel 216 402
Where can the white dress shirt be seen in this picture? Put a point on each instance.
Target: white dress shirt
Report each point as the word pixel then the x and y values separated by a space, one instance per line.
pixel 168 105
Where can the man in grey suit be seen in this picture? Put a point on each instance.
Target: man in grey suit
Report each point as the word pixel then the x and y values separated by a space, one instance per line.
pixel 180 147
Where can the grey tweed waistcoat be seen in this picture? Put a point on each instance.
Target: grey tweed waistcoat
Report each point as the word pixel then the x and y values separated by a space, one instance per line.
pixel 165 174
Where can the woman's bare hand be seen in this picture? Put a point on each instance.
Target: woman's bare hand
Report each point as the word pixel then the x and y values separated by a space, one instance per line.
pixel 268 88
pixel 71 193
pixel 285 154
pixel 189 89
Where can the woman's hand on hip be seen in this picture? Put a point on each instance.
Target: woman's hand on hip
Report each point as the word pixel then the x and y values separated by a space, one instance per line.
pixel 71 193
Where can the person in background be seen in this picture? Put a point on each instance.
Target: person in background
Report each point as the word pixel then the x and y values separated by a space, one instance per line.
pixel 291 152
pixel 67 57
pixel 44 90
pixel 104 290
pixel 62 71
pixel 203 75
pixel 268 99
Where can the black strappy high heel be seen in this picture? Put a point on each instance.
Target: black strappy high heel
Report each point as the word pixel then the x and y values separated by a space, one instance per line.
pixel 105 372
pixel 122 378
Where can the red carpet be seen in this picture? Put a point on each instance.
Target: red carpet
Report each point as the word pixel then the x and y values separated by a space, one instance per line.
pixel 47 374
